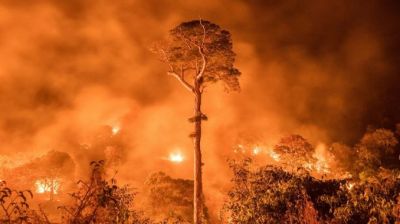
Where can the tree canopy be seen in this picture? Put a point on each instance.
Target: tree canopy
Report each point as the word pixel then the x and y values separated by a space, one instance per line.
pixel 200 49
pixel 296 150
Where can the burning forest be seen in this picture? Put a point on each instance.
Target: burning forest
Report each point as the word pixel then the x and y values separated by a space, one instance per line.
pixel 174 112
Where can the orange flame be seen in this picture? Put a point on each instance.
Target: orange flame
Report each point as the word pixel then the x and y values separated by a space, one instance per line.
pixel 47 185
pixel 176 157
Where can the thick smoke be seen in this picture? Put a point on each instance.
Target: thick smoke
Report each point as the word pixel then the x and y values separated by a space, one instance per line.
pixel 324 70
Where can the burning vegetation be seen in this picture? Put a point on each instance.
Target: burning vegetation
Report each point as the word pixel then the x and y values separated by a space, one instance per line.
pixel 291 182
pixel 47 185
pixel 91 132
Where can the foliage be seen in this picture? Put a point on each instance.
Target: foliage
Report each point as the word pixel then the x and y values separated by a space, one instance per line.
pixel 345 156
pixel 295 151
pixel 52 165
pixel 96 201
pixel 199 53
pixel 376 149
pixel 200 47
pixel 372 151
pixel 271 195
pixel 382 140
pixel 170 199
pixel 371 201
pixel 101 201
pixel 266 195
pixel 15 208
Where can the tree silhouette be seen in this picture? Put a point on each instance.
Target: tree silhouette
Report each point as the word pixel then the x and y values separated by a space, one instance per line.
pixel 199 53
pixel 296 151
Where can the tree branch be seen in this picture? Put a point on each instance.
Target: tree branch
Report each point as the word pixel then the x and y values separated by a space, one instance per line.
pixel 204 33
pixel 201 52
pixel 203 65
pixel 181 79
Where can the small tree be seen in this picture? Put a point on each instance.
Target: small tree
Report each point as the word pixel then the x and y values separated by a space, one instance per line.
pixel 267 194
pixel 373 149
pixel 199 53
pixel 345 157
pixel 295 151
pixel 15 207
pixel 381 140
pixel 169 199
pixel 101 201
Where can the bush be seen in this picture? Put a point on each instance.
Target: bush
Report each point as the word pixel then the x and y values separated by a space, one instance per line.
pixel 169 199
pixel 271 195
pixel 101 201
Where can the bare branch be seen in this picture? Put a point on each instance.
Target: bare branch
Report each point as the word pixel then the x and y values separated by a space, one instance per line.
pixel 186 40
pixel 203 65
pixel 201 52
pixel 204 33
pixel 167 59
pixel 197 66
pixel 181 79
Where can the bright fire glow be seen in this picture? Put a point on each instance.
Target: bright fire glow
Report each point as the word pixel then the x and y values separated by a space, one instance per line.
pixel 275 156
pixel 239 149
pixel 322 167
pixel 324 158
pixel 115 130
pixel 47 185
pixel 176 157
pixel 350 186
pixel 308 166
pixel 256 150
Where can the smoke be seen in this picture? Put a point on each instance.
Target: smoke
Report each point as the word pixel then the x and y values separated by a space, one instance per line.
pixel 324 70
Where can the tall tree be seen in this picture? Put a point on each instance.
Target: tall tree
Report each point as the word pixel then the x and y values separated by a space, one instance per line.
pixel 199 53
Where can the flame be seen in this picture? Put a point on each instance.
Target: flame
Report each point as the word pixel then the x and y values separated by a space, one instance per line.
pixel 176 157
pixel 308 166
pixel 324 158
pixel 322 167
pixel 239 149
pixel 256 150
pixel 350 186
pixel 115 130
pixel 47 185
pixel 275 156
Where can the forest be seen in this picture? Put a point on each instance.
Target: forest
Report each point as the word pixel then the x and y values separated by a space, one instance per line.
pixel 350 184
pixel 199 112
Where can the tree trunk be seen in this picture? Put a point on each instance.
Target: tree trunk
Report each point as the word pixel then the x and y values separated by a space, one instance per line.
pixel 198 184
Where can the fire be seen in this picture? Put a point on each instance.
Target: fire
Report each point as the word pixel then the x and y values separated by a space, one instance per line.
pixel 322 167
pixel 350 186
pixel 47 185
pixel 176 157
pixel 256 150
pixel 308 166
pixel 324 159
pixel 115 130
pixel 239 149
pixel 275 156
